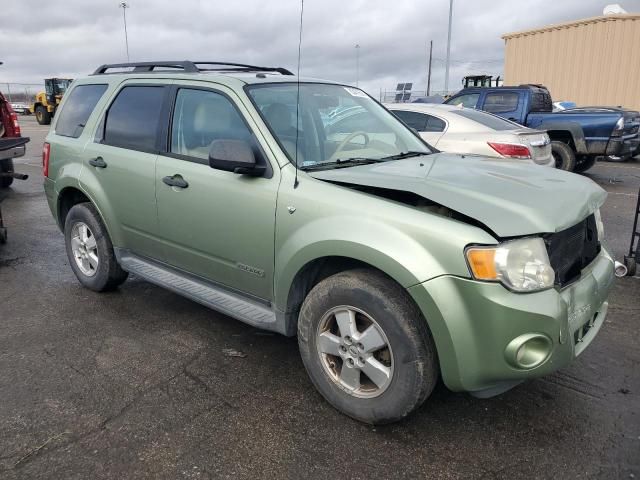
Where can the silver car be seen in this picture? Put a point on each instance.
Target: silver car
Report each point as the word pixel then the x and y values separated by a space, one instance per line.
pixel 465 130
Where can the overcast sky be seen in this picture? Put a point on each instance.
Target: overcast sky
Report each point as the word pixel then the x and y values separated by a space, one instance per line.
pixel 41 39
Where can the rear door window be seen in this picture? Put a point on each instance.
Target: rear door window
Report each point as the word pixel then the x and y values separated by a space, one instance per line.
pixel 501 102
pixel 77 109
pixel 133 118
pixel 413 119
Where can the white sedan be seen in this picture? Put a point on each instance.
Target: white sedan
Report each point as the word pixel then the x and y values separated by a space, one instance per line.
pixel 457 129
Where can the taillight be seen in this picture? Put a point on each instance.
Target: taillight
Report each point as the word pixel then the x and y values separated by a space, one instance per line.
pixel 511 150
pixel 16 125
pixel 46 151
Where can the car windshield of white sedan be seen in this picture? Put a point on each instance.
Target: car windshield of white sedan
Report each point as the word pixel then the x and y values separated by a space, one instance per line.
pixel 337 125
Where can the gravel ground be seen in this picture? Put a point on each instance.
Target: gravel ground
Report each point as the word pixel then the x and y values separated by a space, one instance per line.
pixel 137 384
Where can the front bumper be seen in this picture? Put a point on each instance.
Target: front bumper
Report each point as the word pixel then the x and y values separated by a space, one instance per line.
pixel 475 325
pixel 623 147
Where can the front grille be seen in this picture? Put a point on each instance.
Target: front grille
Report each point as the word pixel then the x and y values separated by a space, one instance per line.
pixel 573 249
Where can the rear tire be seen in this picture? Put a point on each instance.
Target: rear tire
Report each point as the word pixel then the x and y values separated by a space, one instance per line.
pixel 42 115
pixel 6 166
pixel 90 250
pixel 389 355
pixel 585 164
pixel 563 155
pixel 630 263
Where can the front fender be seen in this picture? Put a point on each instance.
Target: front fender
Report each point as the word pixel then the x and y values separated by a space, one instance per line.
pixel 320 219
pixel 363 242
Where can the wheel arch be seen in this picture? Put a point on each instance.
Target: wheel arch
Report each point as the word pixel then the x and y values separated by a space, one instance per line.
pixel 67 198
pixel 568 132
pixel 290 293
pixel 74 194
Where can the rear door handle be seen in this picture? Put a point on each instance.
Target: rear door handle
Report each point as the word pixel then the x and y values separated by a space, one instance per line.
pixel 98 162
pixel 175 181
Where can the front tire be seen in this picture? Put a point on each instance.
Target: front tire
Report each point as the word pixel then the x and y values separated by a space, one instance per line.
pixel 564 156
pixel 90 250
pixel 366 346
pixel 6 166
pixel 42 115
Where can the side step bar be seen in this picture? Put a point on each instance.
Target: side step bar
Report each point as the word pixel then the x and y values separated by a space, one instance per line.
pixel 218 298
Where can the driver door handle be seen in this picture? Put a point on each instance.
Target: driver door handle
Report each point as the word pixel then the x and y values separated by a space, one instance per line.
pixel 98 162
pixel 175 181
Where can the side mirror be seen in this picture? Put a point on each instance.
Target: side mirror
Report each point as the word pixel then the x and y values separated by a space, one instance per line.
pixel 234 156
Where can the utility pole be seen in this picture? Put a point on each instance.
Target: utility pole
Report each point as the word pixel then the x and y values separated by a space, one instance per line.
pixel 357 63
pixel 429 73
pixel 446 73
pixel 124 6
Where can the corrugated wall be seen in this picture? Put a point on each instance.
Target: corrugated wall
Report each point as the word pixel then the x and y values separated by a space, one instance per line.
pixel 593 62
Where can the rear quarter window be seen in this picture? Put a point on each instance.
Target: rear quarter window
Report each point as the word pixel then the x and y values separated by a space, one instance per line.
pixel 434 124
pixel 413 119
pixel 541 102
pixel 133 118
pixel 77 109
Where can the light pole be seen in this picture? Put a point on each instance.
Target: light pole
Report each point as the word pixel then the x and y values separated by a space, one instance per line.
pixel 124 6
pixel 357 63
pixel 429 72
pixel 446 73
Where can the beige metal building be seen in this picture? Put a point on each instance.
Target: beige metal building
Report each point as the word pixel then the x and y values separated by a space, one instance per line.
pixel 595 61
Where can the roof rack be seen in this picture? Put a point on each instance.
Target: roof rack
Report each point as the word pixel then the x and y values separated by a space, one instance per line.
pixel 187 66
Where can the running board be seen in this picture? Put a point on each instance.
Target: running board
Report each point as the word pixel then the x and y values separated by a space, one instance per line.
pixel 210 295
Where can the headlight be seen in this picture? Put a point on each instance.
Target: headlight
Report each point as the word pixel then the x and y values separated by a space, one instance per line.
pixel 520 265
pixel 599 225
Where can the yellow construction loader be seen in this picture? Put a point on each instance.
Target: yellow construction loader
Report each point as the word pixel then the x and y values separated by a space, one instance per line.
pixel 47 102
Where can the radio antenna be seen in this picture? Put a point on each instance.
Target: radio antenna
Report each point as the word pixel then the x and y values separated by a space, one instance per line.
pixel 295 182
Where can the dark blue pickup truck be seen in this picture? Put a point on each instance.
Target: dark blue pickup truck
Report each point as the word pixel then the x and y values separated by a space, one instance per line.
pixel 578 135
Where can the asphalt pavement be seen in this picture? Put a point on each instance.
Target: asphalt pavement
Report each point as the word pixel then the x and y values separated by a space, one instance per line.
pixel 141 383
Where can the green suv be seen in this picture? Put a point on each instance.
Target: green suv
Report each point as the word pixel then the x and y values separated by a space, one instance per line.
pixel 306 208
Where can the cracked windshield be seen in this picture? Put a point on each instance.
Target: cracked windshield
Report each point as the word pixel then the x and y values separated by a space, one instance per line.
pixel 337 125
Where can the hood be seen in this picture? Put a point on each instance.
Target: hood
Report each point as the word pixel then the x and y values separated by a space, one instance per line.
pixel 509 197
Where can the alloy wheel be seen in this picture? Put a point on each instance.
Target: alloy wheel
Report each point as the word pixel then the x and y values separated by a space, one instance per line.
pixel 84 249
pixel 355 352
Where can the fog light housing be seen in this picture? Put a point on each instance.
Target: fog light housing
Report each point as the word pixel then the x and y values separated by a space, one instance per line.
pixel 528 351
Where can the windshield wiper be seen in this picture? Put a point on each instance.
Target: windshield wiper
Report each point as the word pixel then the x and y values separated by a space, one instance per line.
pixel 402 155
pixel 347 162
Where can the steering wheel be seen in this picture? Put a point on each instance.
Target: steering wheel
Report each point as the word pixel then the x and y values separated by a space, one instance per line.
pixel 347 140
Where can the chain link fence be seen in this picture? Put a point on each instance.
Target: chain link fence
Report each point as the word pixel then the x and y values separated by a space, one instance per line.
pixel 21 92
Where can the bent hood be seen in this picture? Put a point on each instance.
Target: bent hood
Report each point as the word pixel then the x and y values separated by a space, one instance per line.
pixel 509 197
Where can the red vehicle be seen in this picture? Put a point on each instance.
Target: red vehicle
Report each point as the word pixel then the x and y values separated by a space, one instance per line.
pixel 12 145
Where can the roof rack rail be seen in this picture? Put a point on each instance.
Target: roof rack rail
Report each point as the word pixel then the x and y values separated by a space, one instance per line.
pixel 188 66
